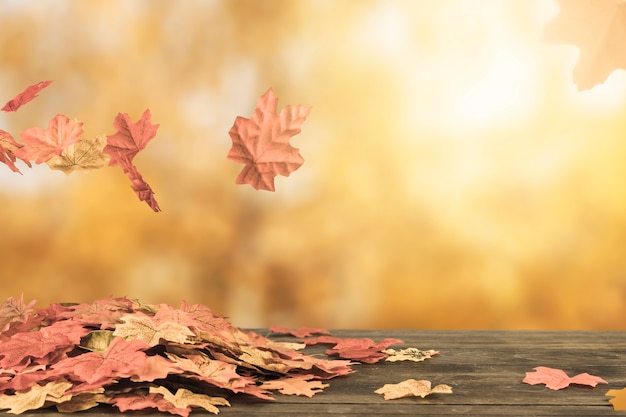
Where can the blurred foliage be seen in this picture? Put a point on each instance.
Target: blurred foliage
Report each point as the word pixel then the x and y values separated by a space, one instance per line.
pixel 454 177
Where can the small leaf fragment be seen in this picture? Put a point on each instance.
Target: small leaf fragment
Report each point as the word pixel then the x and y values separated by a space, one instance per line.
pixel 412 388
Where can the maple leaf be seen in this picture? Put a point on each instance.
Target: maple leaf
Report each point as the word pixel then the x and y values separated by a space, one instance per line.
pixel 41 145
pixel 82 402
pixel 8 145
pixel 122 147
pixel 296 385
pixel 150 332
pixel 412 388
pixel 14 310
pixel 185 398
pixel 84 154
pixel 598 28
pixel 301 332
pixel 619 402
pixel 363 350
pixel 122 359
pixel 557 379
pixel 140 401
pixel 35 397
pixel 262 142
pixel 409 354
pixel 25 96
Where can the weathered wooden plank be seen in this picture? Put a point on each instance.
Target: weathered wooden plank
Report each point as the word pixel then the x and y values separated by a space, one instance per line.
pixel 485 369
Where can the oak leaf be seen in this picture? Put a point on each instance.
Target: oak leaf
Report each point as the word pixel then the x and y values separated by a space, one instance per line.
pixel 35 397
pixel 262 142
pixel 409 354
pixel 598 28
pixel 557 379
pixel 412 388
pixel 123 146
pixel 42 144
pixel 25 96
pixel 295 385
pixel 84 154
pixel 619 400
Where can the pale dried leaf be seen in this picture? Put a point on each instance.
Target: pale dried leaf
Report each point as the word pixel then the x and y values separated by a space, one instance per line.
pixel 409 354
pixel 412 388
pixel 84 154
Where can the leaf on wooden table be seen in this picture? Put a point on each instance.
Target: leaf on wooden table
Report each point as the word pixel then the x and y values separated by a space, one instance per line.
pixel 409 354
pixel 412 388
pixel 619 400
pixel 557 379
pixel 82 155
pixel 598 28
pixel 363 350
pixel 262 142
pixel 296 385
pixel 184 399
pixel 25 96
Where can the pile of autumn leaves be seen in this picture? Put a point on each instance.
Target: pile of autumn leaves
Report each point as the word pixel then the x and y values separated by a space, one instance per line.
pixel 134 356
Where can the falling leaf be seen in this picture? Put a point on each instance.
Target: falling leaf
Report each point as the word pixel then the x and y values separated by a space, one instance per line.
pixel 8 146
pixel 557 379
pixel 84 154
pixel 123 146
pixel 25 96
pixel 35 397
pixel 301 332
pixel 42 144
pixel 598 28
pixel 262 142
pixel 619 402
pixel 295 385
pixel 409 354
pixel 412 388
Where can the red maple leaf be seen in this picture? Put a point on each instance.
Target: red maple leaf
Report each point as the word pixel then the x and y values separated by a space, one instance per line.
pixel 122 146
pixel 262 142
pixel 8 145
pixel 363 350
pixel 25 96
pixel 43 144
pixel 557 379
pixel 300 332
pixel 128 402
pixel 122 359
pixel 296 385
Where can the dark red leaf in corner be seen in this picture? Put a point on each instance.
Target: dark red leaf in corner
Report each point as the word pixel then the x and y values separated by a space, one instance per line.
pixel 25 96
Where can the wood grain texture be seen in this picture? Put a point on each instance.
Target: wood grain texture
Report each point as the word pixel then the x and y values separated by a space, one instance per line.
pixel 485 369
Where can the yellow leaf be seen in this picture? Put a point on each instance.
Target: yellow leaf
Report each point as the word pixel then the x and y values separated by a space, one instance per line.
pixel 35 397
pixel 185 398
pixel 84 154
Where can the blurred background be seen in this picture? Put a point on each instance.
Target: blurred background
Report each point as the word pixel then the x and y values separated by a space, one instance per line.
pixel 454 177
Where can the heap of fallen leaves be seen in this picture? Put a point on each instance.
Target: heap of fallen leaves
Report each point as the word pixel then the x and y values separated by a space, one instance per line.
pixel 62 145
pixel 135 356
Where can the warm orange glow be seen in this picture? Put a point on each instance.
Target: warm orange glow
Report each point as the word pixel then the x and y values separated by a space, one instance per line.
pixel 454 175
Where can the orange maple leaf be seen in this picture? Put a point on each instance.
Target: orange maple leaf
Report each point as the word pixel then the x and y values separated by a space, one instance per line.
pixel 42 144
pixel 619 400
pixel 25 96
pixel 598 28
pixel 262 142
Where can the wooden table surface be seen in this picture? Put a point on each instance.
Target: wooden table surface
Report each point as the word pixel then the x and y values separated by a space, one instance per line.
pixel 484 368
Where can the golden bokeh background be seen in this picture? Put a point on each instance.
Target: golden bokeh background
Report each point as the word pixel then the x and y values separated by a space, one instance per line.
pixel 454 175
